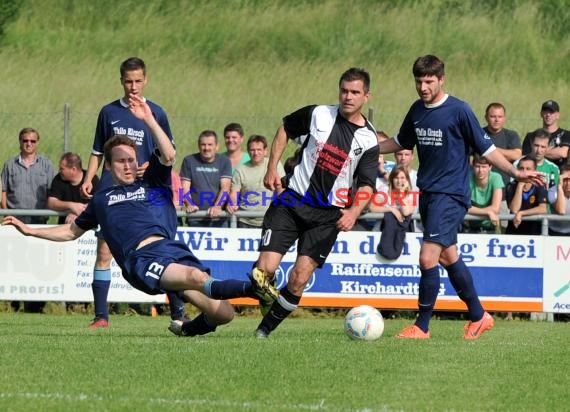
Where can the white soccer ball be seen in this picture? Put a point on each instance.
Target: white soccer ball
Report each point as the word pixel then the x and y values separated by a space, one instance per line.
pixel 364 323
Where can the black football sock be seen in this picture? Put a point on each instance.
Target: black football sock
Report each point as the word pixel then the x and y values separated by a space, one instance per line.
pixel 281 308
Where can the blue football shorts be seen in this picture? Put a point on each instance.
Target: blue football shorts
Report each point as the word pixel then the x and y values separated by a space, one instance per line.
pixel 144 267
pixel 442 215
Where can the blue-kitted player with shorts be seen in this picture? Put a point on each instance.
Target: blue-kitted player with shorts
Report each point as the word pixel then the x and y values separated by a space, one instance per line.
pixel 140 230
pixel 116 118
pixel 444 129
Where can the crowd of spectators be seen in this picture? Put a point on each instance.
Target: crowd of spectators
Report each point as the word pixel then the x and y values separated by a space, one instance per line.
pixel 217 182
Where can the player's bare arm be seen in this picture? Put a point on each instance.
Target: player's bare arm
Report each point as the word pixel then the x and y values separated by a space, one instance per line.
pixel 389 146
pixel 59 233
pixel 498 160
pixel 272 180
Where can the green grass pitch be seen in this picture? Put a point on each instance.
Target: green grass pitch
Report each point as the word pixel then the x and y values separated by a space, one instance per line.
pixel 54 363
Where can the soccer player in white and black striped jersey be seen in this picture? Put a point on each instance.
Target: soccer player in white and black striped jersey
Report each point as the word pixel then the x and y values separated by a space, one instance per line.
pixel 339 151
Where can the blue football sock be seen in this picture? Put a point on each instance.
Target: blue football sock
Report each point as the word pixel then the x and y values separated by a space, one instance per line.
pixel 100 286
pixel 429 289
pixel 176 303
pixel 462 281
pixel 227 289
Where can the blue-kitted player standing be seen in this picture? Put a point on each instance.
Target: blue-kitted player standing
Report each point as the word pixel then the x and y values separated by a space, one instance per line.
pixel 444 129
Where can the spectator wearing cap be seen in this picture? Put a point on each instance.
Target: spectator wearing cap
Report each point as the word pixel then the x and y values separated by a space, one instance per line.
pixel 559 138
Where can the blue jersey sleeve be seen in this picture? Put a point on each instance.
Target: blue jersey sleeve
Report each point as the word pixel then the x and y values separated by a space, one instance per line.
pixel 101 133
pixel 87 220
pixel 158 175
pixel 472 131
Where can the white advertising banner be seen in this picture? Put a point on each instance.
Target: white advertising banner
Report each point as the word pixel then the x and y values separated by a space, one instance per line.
pixel 557 283
pixel 518 273
pixel 37 269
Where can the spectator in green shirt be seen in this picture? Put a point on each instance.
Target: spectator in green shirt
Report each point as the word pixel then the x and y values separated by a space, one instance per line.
pixel 538 152
pixel 486 195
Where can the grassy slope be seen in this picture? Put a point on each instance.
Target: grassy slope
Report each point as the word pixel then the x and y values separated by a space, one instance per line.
pixel 254 61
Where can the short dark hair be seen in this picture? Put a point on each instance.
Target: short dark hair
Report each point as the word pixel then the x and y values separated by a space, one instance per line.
pixel 233 127
pixel 355 73
pixel 477 158
pixel 495 105
pixel 428 65
pixel 540 134
pixel 256 138
pixel 71 160
pixel 564 168
pixel 132 64
pixel 206 133
pixel 117 140
pixel 527 158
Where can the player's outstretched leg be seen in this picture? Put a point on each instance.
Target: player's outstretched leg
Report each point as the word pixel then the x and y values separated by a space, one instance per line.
pixel 101 283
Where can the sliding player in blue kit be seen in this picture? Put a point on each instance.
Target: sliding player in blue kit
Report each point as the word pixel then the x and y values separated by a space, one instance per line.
pixel 140 230
pixel 444 129
pixel 116 118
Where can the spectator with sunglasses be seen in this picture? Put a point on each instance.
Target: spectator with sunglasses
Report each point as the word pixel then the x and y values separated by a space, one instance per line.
pixel 26 180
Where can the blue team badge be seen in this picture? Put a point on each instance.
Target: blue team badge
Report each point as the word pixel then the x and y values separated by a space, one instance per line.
pixel 486 136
